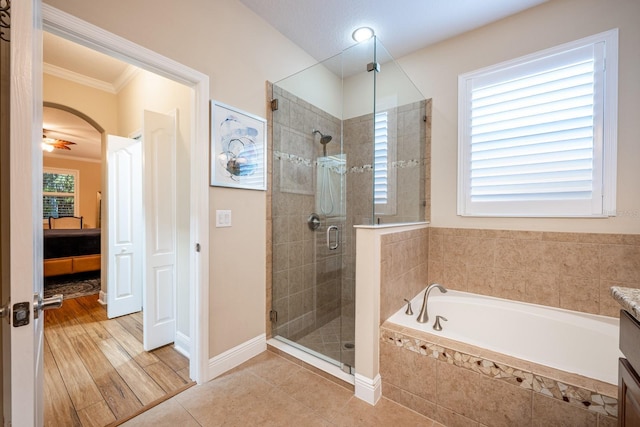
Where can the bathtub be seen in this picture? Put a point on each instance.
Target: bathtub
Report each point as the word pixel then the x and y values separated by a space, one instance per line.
pixel 569 341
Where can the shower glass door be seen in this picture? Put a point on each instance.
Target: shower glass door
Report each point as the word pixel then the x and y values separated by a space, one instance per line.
pixel 313 247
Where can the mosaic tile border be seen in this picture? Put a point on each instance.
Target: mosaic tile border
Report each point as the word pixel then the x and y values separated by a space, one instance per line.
pixel 549 387
pixel 297 160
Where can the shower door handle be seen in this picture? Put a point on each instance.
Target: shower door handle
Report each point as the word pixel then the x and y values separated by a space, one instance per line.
pixel 336 243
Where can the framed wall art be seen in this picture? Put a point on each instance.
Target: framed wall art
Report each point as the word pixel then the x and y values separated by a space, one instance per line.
pixel 238 148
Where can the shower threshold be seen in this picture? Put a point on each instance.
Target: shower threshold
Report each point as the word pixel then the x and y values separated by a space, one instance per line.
pixel 311 357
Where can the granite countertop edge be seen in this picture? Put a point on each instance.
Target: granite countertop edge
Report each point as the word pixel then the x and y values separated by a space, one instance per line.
pixel 628 298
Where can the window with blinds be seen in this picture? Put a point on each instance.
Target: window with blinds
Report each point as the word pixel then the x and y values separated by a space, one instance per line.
pixel 537 134
pixel 59 193
pixel 381 159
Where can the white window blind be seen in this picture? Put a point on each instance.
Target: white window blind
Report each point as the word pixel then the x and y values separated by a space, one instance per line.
pixel 532 137
pixel 381 160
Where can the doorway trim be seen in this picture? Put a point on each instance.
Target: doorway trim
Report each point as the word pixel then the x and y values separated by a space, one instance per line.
pixel 74 29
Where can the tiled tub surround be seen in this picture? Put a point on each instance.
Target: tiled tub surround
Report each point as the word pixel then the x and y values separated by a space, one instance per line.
pixel 461 385
pixel 574 271
pixel 403 268
pixel 568 270
pixel 525 331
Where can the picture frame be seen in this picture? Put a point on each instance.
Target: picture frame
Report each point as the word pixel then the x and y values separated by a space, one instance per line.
pixel 238 148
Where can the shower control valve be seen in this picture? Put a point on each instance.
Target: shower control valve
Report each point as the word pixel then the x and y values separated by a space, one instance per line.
pixel 313 221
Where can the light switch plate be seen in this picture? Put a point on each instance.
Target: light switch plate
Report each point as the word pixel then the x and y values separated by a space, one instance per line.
pixel 223 218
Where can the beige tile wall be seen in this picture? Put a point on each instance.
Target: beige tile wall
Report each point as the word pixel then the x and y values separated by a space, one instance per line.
pixel 403 268
pixel 304 276
pixel 568 270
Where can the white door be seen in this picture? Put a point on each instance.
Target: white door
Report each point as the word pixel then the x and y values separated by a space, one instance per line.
pixel 22 222
pixel 124 226
pixel 159 315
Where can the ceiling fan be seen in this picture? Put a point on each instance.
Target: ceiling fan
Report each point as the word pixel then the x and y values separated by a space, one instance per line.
pixel 49 144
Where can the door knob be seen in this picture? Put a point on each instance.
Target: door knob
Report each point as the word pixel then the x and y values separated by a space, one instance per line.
pixel 40 303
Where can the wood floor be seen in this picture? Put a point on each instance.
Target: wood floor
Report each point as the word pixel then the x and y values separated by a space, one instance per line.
pixel 96 371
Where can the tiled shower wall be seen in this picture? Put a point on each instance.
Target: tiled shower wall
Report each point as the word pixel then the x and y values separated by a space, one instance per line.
pixel 306 276
pixel 409 131
pixel 312 285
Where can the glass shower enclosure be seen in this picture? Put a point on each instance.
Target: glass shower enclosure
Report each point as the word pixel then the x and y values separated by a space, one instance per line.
pixel 349 138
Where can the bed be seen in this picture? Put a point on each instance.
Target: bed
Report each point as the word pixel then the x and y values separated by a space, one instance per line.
pixel 71 251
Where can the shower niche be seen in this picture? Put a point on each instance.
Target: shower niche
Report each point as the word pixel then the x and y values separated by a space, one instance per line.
pixel 349 144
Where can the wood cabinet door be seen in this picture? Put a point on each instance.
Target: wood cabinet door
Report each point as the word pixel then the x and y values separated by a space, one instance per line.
pixel 628 395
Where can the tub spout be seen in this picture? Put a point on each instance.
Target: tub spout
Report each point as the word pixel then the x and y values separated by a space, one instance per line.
pixel 423 317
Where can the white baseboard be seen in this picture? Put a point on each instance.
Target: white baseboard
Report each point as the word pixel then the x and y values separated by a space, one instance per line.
pixel 182 344
pixel 221 363
pixel 102 299
pixel 367 389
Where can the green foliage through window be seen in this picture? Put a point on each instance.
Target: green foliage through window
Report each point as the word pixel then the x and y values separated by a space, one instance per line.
pixel 58 183
pixel 58 193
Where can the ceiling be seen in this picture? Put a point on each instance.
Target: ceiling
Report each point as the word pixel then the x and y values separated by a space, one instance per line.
pixel 321 28
pixel 324 28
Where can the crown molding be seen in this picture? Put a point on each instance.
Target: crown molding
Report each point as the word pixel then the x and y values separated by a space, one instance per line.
pixel 121 82
pixel 81 79
pixel 127 75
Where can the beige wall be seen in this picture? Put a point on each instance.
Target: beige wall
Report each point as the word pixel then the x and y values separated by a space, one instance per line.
pixel 99 105
pixel 197 35
pixel 435 70
pixel 89 179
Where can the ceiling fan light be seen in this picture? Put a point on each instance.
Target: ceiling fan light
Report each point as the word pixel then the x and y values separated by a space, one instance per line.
pixel 47 147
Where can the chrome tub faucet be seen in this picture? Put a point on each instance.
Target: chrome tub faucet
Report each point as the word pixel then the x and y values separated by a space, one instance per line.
pixel 423 317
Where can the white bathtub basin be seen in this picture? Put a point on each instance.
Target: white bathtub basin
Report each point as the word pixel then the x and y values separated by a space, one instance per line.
pixel 571 341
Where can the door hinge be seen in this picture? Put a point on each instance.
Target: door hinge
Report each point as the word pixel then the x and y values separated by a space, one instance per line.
pixel 197 247
pixel 347 368
pixel 273 316
pixel 274 104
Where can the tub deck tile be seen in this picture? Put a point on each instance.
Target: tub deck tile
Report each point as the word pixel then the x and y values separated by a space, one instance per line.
pixel 586 393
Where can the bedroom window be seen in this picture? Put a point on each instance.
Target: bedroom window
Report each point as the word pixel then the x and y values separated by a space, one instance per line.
pixel 59 192
pixel 537 135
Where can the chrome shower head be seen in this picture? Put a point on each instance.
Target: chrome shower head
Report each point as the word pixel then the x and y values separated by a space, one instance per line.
pixel 324 139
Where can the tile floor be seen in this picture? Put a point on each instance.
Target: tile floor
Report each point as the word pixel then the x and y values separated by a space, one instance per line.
pixel 269 390
pixel 326 340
